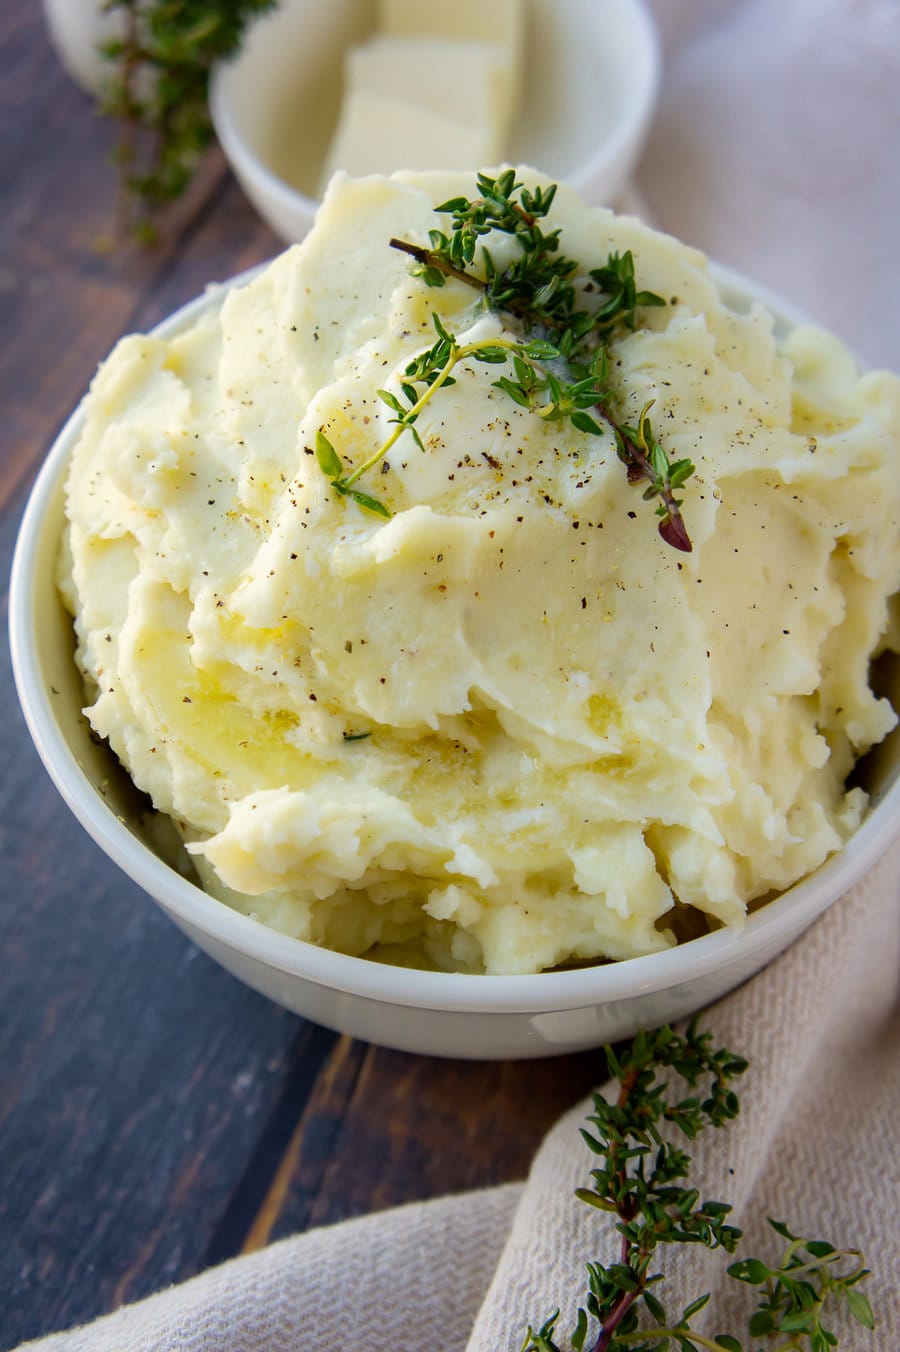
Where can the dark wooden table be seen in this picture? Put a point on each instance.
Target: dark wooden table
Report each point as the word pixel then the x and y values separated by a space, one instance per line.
pixel 155 1115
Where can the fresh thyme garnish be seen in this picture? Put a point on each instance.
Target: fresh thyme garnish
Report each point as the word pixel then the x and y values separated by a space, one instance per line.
pixel 571 375
pixel 431 368
pixel 639 1180
pixel 561 367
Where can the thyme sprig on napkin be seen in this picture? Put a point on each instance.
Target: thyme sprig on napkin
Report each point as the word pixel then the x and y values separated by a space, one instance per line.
pixel 641 1179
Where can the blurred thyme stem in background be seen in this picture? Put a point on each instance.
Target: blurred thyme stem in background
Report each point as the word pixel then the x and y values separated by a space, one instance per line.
pixel 159 76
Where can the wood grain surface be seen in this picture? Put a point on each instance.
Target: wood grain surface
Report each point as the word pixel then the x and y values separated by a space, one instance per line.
pixel 155 1115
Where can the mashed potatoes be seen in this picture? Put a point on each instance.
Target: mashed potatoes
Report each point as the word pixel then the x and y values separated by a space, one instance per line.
pixel 508 727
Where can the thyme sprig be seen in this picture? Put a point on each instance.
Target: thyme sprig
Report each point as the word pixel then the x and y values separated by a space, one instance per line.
pixel 561 367
pixel 433 368
pixel 534 388
pixel 537 287
pixel 641 1179
pixel 794 1295
pixel 159 71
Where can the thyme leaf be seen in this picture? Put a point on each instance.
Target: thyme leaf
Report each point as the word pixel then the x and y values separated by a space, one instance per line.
pixel 331 464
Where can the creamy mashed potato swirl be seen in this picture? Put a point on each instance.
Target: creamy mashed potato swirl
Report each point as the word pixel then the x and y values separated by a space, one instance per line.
pixel 510 727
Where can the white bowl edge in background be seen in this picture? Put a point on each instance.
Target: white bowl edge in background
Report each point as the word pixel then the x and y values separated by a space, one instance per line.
pixel 591 81
pixel 427 1012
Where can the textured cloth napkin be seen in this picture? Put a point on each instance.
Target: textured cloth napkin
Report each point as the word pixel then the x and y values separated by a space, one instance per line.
pixel 817 1144
pixel 775 150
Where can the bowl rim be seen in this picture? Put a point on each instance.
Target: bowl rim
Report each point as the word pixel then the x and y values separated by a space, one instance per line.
pixel 249 166
pixel 633 117
pixel 643 92
pixel 783 917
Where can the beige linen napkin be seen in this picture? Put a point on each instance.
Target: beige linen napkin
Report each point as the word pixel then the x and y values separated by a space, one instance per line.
pixel 817 1145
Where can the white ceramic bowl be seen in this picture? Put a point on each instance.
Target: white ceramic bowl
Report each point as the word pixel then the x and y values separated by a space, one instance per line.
pixel 436 1013
pixel 591 80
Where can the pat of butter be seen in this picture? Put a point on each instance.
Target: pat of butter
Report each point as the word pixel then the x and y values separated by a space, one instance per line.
pixel 497 21
pixel 461 81
pixel 500 22
pixel 432 89
pixel 378 134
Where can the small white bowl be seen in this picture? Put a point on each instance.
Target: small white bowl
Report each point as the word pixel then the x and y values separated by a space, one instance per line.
pixel 435 1013
pixel 591 79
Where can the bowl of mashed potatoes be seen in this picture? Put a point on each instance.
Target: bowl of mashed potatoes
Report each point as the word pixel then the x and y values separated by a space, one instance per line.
pixel 440 724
